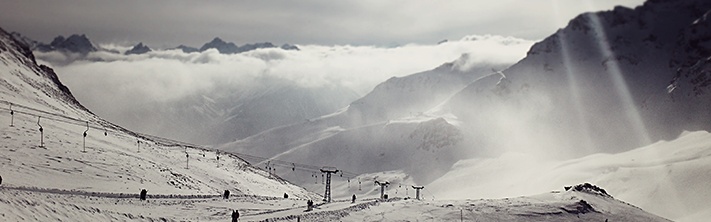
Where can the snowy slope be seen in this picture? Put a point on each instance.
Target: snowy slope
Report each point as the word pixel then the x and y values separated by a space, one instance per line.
pixel 113 161
pixel 667 178
pixel 20 205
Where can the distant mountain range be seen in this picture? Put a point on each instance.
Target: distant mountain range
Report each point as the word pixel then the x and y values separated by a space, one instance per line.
pixel 82 45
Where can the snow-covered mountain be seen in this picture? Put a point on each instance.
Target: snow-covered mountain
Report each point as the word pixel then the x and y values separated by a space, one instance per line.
pixel 388 127
pixel 608 82
pixel 111 161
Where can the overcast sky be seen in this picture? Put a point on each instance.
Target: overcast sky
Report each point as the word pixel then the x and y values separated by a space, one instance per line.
pixel 163 23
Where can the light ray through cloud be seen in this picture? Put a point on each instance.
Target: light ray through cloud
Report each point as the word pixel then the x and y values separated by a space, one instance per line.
pixel 613 68
pixel 573 83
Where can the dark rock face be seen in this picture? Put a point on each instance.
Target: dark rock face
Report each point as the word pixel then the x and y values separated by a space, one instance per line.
pixel 221 46
pixel 230 48
pixel 138 49
pixel 290 47
pixel 75 43
pixel 187 49
pixel 588 188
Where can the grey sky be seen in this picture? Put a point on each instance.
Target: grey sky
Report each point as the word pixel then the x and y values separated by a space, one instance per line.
pixel 163 23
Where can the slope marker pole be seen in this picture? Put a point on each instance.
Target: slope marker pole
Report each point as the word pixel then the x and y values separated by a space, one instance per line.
pixel 84 142
pixel 12 116
pixel 41 132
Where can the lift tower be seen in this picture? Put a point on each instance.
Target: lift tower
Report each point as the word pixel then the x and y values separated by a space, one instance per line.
pixel 418 191
pixel 328 171
pixel 382 188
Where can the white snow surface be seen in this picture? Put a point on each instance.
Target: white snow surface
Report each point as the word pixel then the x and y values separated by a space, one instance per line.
pixel 667 178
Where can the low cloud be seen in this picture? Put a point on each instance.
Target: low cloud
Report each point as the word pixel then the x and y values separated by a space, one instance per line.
pixel 111 84
pixel 168 74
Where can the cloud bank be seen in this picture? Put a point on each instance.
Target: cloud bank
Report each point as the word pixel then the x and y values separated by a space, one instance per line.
pixel 117 86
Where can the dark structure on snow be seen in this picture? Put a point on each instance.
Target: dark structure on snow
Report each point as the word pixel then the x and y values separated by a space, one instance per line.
pixel 235 216
pixel 143 194
pixel 226 194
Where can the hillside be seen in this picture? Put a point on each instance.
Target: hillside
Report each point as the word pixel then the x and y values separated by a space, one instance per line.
pixel 114 161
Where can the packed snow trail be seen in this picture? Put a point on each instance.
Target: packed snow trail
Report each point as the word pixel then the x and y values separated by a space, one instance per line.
pixel 19 205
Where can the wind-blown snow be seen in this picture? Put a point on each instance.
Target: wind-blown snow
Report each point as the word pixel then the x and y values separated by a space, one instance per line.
pixel 668 178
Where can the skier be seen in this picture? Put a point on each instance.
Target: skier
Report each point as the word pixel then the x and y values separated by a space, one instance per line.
pixel 226 195
pixel 143 194
pixel 309 205
pixel 235 216
pixel 353 199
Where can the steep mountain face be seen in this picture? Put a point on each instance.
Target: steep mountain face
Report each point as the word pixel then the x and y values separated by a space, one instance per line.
pixel 45 91
pixel 24 40
pixel 138 49
pixel 609 81
pixel 68 154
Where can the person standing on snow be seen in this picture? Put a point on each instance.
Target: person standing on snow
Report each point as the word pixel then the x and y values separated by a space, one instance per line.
pixel 226 194
pixel 235 216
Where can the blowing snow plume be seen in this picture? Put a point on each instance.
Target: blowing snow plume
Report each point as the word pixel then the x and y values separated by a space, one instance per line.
pixel 211 98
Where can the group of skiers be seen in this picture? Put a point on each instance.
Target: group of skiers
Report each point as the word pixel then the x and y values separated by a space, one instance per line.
pixel 235 213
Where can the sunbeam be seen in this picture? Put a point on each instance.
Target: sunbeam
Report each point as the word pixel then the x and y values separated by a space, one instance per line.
pixel 573 83
pixel 613 68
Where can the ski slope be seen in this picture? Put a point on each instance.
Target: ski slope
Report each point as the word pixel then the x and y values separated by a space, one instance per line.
pixel 18 205
pixel 668 178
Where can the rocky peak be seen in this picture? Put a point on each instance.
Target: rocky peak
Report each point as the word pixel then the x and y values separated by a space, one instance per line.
pixel 138 49
pixel 75 43
pixel 221 46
